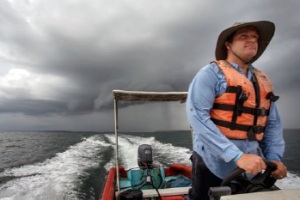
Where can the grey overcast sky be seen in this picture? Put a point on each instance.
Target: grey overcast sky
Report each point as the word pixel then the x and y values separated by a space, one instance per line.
pixel 60 60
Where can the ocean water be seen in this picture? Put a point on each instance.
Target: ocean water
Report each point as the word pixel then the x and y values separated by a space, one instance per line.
pixel 74 165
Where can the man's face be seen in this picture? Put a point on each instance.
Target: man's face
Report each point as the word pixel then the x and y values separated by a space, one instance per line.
pixel 244 42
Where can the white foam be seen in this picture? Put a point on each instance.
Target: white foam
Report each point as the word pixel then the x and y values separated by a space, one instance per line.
pixel 112 161
pixel 55 178
pixel 128 146
pixel 127 151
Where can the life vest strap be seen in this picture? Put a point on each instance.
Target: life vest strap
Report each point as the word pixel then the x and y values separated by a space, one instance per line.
pixel 231 89
pixel 251 130
pixel 257 95
pixel 248 110
pixel 238 104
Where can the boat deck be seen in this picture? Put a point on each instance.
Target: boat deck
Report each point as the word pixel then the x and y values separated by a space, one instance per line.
pixel 288 194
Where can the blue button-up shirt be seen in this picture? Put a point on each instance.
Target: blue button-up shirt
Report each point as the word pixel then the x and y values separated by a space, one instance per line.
pixel 216 150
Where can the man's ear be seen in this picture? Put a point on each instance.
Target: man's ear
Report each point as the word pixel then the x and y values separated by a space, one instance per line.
pixel 227 45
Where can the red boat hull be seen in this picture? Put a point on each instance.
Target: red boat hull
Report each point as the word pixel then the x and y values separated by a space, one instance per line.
pixel 175 169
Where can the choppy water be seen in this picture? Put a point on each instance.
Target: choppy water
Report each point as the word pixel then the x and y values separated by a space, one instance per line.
pixel 73 165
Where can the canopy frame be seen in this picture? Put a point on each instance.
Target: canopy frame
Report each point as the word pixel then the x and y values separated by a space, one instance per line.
pixel 139 96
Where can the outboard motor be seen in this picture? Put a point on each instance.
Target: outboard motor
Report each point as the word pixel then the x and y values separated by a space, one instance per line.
pixel 145 156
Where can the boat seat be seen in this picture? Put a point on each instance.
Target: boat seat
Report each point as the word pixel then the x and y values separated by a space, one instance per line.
pixel 166 192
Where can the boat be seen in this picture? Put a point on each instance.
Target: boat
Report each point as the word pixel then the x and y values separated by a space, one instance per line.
pixel 147 181
pixel 152 182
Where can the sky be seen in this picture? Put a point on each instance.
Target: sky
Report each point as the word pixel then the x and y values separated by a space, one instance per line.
pixel 60 60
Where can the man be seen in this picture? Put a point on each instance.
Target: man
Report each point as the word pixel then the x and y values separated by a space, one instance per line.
pixel 231 110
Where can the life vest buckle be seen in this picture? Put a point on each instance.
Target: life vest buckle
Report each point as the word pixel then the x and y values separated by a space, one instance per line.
pixel 261 112
pixel 258 129
pixel 243 96
pixel 254 130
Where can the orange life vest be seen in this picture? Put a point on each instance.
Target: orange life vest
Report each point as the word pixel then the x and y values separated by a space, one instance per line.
pixel 242 111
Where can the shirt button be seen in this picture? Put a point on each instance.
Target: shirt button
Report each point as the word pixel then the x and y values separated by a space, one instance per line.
pixel 191 109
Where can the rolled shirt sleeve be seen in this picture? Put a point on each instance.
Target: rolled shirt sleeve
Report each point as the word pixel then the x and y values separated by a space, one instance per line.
pixel 273 144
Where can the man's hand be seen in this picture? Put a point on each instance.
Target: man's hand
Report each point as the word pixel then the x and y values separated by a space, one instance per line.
pixel 251 163
pixel 281 170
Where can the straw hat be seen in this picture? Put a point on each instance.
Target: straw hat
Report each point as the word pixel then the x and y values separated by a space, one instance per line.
pixel 265 29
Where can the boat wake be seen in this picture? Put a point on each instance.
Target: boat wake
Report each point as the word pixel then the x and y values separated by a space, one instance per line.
pixel 55 178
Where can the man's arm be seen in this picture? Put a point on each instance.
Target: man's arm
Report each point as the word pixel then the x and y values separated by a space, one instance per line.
pixel 273 144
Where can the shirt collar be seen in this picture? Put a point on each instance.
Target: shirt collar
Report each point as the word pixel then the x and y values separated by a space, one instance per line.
pixel 236 66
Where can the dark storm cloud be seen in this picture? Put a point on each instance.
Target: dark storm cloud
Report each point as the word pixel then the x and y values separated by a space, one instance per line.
pixel 101 46
pixel 33 107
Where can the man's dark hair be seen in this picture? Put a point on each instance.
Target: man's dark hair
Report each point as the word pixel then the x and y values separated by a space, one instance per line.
pixel 230 38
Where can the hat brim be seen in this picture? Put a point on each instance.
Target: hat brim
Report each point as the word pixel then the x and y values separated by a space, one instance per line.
pixel 265 29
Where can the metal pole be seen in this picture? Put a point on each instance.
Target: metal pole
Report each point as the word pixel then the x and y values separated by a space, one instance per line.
pixel 192 134
pixel 116 141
